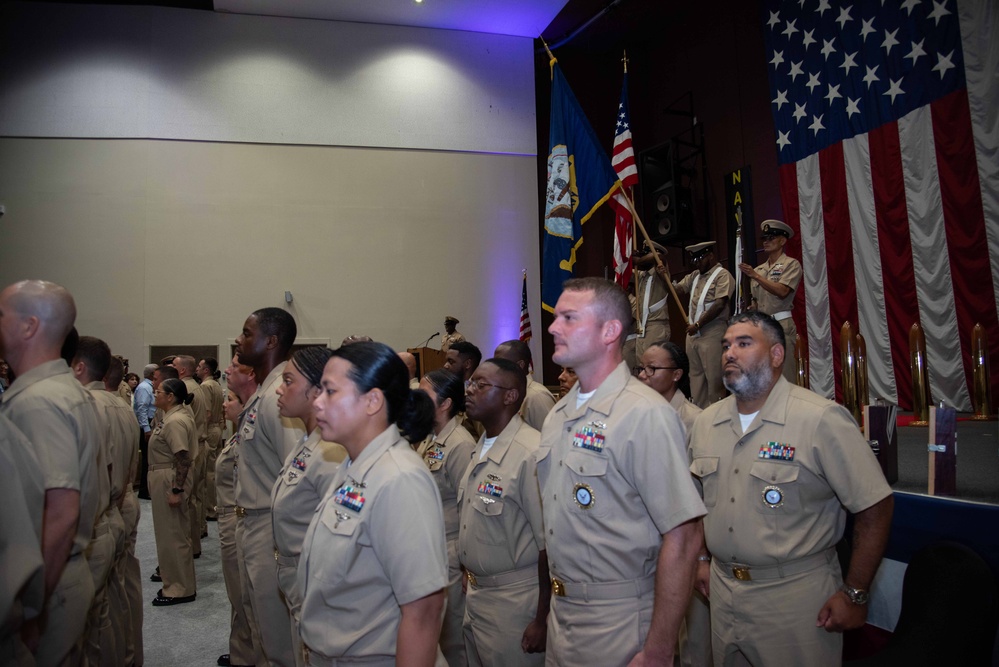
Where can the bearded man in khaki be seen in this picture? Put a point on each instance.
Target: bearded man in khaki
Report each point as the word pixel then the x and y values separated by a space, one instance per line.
pixel 780 467
pixel 186 365
pixel 206 371
pixel 501 539
pixel 57 416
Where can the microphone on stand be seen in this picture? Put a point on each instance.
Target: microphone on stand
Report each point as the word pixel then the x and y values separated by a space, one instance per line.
pixel 424 343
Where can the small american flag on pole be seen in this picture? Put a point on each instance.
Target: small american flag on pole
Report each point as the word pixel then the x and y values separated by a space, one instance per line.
pixel 623 160
pixel 525 316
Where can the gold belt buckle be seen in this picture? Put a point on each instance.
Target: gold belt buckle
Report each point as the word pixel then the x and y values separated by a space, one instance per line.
pixel 558 588
pixel 741 573
pixel 240 511
pixel 471 578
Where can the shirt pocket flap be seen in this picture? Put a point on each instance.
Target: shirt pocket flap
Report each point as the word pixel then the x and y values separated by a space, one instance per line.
pixel 586 465
pixel 340 522
pixel 774 473
pixel 487 506
pixel 704 466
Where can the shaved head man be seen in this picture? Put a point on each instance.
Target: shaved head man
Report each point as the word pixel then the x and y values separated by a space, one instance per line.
pixel 58 417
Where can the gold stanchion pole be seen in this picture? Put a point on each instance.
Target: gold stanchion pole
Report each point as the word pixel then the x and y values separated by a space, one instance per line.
pixel 920 382
pixel 848 369
pixel 801 363
pixel 981 395
pixel 863 392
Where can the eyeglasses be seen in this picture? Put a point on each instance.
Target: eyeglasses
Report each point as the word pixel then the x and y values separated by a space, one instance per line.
pixel 651 370
pixel 479 385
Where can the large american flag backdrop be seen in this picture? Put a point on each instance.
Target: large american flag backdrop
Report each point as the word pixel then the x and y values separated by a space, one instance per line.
pixel 887 125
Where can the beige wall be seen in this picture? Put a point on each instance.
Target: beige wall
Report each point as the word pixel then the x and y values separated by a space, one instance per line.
pixel 176 242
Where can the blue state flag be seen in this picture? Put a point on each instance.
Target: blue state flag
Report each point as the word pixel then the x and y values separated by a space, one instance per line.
pixel 580 179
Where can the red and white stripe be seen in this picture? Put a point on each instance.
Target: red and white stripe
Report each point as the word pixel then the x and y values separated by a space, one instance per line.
pixel 901 225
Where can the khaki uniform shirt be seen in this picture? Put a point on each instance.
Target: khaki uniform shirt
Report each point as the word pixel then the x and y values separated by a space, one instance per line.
pixel 778 491
pixel 212 391
pixel 447 340
pixel 785 271
pixel 687 411
pixel 722 286
pixel 650 283
pixel 376 542
pixel 22 496
pixel 614 478
pixel 199 411
pixel 266 439
pixel 122 435
pixel 225 474
pixel 58 417
pixel 502 527
pixel 447 454
pixel 105 464
pixel 177 433
pixel 538 402
pixel 304 481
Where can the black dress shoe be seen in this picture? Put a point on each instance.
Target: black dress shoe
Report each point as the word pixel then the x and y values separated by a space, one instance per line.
pixel 164 601
pixel 196 556
pixel 155 576
pixel 211 518
pixel 223 660
pixel 144 496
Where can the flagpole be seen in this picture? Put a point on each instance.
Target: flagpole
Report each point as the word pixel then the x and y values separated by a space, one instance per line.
pixel 655 254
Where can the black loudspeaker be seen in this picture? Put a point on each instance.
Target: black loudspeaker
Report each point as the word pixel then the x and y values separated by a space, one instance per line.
pixel 672 212
pixel 667 207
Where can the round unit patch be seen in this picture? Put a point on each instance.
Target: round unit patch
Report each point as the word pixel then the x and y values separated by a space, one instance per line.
pixel 583 495
pixel 773 496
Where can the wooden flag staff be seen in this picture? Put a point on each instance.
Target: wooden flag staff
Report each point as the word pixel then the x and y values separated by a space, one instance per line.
pixel 655 254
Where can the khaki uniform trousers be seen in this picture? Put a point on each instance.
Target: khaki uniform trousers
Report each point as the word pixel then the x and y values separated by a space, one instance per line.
pixel 117 594
pixel 244 589
pixel 172 528
pixel 214 447
pixel 654 332
pixel 705 355
pixel 695 634
pixel 100 647
pixel 495 620
pixel 287 573
pixel 772 621
pixel 452 640
pixel 133 581
pixel 196 502
pixel 64 621
pixel 790 371
pixel 241 648
pixel 598 632
pixel 269 610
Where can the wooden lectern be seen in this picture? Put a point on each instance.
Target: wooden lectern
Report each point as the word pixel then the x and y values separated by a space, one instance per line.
pixel 427 359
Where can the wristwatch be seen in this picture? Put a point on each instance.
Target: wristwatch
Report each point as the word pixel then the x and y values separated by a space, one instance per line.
pixel 176 491
pixel 856 595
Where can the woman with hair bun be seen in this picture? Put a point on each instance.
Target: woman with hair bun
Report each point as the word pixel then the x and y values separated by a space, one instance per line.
pixel 170 447
pixel 447 454
pixel 374 563
pixel 305 477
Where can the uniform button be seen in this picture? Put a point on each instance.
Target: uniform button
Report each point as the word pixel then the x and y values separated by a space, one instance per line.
pixel 551 532
pixel 580 468
pixel 554 496
pixel 730 529
pixel 736 471
pixel 733 500
pixel 773 478
pixel 560 463
pixel 464 527
pixel 568 429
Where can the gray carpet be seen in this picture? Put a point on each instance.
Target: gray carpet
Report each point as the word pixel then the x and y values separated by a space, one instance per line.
pixel 186 634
